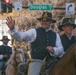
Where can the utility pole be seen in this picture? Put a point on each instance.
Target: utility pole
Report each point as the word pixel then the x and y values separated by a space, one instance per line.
pixel 0 5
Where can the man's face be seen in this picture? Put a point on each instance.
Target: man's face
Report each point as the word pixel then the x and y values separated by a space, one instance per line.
pixel 5 41
pixel 45 24
pixel 67 29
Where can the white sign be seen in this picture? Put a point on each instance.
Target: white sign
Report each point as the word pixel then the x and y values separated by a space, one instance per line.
pixel 18 6
pixel 70 8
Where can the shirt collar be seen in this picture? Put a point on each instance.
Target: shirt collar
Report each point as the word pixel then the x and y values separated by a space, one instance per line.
pixel 48 29
pixel 4 45
pixel 71 37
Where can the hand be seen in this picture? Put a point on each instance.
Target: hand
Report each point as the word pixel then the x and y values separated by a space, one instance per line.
pixel 5 56
pixel 50 48
pixel 10 22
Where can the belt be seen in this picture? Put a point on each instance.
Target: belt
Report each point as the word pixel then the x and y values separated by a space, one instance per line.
pixel 36 60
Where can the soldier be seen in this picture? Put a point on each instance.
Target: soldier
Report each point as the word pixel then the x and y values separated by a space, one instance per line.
pixel 5 51
pixel 67 38
pixel 42 40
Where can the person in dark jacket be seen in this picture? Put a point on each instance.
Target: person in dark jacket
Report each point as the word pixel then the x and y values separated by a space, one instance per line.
pixel 5 51
pixel 67 39
pixel 43 41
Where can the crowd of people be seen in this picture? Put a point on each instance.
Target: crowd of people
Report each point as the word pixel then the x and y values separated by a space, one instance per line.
pixel 42 39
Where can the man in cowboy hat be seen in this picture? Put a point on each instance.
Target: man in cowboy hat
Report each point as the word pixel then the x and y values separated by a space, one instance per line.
pixel 43 41
pixel 67 38
pixel 5 51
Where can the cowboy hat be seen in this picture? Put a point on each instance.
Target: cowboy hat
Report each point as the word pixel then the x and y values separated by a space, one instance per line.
pixel 66 22
pixel 5 38
pixel 46 16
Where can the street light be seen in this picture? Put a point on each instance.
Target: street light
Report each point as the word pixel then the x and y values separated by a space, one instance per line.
pixel 7 1
pixel 6 6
